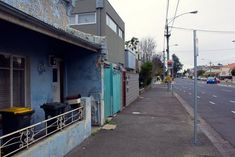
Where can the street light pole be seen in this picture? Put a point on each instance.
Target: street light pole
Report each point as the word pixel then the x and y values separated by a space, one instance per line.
pixel 195 87
pixel 164 68
pixel 168 34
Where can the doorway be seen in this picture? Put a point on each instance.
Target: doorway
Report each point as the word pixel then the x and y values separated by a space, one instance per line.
pixel 57 80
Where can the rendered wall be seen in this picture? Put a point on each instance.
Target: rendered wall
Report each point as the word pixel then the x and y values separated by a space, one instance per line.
pixel 59 144
pixel 50 11
pixel 132 87
pixel 39 83
pixel 83 74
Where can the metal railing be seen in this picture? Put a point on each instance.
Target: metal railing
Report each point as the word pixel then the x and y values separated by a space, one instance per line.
pixel 23 138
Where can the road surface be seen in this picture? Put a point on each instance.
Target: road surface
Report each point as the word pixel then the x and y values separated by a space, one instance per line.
pixel 216 105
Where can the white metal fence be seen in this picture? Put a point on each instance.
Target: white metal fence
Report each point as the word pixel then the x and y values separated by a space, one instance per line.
pixel 23 138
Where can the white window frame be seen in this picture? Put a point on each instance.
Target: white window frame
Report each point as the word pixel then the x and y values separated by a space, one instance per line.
pixel 110 22
pixel 120 33
pixel 88 13
pixel 11 78
pixel 72 22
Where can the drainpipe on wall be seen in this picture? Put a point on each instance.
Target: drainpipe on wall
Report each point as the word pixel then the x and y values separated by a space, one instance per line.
pixel 102 96
pixel 99 6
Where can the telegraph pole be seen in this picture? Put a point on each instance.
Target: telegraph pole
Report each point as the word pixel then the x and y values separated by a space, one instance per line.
pixel 167 52
pixel 210 67
pixel 167 44
pixel 195 41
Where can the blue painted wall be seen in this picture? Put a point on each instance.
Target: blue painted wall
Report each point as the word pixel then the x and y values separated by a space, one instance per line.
pixel 82 74
pixel 59 144
pixel 40 87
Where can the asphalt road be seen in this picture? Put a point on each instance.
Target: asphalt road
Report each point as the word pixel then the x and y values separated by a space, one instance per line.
pixel 216 105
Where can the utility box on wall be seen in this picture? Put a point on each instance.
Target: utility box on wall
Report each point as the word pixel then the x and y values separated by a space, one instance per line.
pixel 130 59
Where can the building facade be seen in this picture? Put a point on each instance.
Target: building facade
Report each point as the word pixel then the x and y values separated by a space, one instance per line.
pixel 98 17
pixel 43 60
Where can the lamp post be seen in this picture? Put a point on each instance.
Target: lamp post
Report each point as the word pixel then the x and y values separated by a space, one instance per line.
pixel 168 21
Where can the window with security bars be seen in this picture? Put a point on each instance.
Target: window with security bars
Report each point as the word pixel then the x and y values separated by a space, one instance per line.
pixel 12 81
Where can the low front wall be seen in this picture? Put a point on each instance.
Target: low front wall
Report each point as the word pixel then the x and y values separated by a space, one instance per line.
pixel 132 87
pixel 60 143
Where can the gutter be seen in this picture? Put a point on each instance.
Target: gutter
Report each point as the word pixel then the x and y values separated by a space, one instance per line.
pixel 13 15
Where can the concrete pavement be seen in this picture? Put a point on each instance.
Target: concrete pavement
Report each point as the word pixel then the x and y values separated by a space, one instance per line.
pixel 156 125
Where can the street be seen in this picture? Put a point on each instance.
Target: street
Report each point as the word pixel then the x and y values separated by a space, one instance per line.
pixel 216 105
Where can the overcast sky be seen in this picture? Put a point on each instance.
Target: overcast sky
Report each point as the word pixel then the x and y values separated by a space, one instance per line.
pixel 147 18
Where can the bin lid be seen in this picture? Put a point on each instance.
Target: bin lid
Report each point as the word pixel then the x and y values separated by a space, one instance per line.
pixel 16 110
pixel 53 105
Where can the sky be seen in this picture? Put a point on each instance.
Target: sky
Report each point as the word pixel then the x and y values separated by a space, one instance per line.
pixel 147 19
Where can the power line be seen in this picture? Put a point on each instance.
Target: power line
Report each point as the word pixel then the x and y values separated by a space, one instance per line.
pixel 211 50
pixel 167 11
pixel 204 30
pixel 176 9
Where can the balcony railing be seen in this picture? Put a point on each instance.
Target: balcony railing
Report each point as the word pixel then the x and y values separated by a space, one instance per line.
pixel 23 138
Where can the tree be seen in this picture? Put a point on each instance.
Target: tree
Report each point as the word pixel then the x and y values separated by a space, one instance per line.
pixel 200 72
pixel 177 66
pixel 147 46
pixel 157 66
pixel 233 72
pixel 132 44
pixel 145 76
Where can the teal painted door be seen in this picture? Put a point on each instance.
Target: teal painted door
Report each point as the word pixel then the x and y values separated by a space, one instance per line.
pixel 112 91
pixel 116 91
pixel 107 92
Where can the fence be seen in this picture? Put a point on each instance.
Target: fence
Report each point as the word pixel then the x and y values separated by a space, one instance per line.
pixel 23 138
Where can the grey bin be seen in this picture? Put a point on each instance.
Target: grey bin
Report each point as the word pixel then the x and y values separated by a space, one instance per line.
pixel 51 110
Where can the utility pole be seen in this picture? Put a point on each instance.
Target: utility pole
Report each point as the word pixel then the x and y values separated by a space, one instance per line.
pixel 210 67
pixel 167 45
pixel 164 67
pixel 195 41
pixel 167 52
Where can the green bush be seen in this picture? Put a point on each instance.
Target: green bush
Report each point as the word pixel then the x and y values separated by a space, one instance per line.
pixel 233 72
pixel 146 74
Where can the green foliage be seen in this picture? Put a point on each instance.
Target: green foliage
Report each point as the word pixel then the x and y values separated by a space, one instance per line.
pixel 200 72
pixel 177 65
pixel 132 44
pixel 146 74
pixel 157 66
pixel 233 72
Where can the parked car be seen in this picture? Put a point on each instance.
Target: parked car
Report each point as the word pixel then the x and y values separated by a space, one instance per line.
pixel 204 79
pixel 212 80
pixel 217 80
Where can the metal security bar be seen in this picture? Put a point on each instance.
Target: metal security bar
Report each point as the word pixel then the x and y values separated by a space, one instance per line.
pixel 23 138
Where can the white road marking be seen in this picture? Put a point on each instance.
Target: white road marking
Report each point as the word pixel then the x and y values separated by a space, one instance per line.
pixel 226 90
pixel 190 93
pixel 135 112
pixel 214 96
pixel 233 112
pixel 232 101
pixel 198 97
pixel 212 102
pixel 184 91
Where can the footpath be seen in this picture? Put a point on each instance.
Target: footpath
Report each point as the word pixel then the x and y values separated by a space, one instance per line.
pixel 155 125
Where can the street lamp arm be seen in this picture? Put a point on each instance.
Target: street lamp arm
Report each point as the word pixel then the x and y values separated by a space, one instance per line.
pixel 191 12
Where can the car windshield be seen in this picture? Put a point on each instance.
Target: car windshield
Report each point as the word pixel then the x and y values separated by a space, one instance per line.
pixel 211 78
